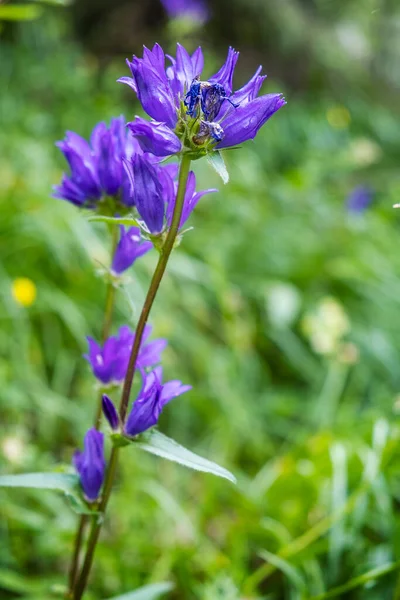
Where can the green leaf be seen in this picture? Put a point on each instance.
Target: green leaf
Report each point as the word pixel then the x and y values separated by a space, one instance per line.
pixel 68 483
pixel 217 162
pixel 161 445
pixel 129 221
pixel 20 12
pixel 147 592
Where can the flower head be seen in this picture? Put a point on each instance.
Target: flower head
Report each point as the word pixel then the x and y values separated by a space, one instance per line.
pixel 198 115
pixel 152 398
pixel 130 247
pixel 90 464
pixel 96 169
pixel 110 362
pixel 195 10
pixel 154 188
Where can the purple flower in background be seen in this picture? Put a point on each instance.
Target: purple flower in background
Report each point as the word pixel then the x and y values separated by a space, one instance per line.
pixel 110 412
pixel 152 398
pixel 110 362
pixel 359 199
pixel 203 114
pixel 90 464
pixel 130 247
pixel 155 188
pixel 96 169
pixel 195 10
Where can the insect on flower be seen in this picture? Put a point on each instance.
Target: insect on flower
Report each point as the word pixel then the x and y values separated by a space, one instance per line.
pixel 209 96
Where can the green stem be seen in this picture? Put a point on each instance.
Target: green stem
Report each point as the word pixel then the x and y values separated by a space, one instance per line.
pixel 148 303
pixel 109 309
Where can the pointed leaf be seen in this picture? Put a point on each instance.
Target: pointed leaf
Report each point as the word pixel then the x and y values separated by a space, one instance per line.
pixel 128 221
pixel 147 592
pixel 68 483
pixel 217 162
pixel 161 445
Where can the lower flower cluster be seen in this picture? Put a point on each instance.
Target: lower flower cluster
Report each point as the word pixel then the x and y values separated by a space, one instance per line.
pixel 109 364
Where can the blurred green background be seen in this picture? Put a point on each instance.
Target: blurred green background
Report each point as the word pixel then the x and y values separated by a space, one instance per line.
pixel 281 307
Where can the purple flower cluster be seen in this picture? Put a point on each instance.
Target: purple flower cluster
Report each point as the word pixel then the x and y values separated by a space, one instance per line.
pixel 189 113
pixel 149 404
pixel 120 171
pixel 96 169
pixel 110 362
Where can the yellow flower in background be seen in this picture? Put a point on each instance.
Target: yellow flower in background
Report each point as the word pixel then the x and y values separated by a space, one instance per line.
pixel 23 291
pixel 338 117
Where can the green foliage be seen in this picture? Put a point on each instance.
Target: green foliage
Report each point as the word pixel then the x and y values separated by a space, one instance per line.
pixel 282 311
pixel 161 445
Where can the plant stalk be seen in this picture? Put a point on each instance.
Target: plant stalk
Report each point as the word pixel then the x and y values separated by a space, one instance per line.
pixel 148 303
pixel 108 313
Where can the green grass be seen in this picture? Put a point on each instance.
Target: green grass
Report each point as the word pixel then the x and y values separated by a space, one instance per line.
pixel 313 439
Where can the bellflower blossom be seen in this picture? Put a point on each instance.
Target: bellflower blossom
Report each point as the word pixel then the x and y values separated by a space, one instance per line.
pixel 90 464
pixel 194 114
pixel 96 169
pixel 195 10
pixel 110 362
pixel 130 247
pixel 155 187
pixel 149 404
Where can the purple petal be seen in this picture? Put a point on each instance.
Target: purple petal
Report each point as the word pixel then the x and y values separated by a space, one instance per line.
pixel 130 247
pixel 148 193
pixel 155 137
pixel 154 93
pixel 172 389
pixel 225 75
pixel 110 412
pixel 128 81
pixel 90 464
pixel 150 354
pixel 244 122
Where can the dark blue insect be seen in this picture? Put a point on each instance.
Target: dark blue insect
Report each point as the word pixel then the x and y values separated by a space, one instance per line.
pixel 209 96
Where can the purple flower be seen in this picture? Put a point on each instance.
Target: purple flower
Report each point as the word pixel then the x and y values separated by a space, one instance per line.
pixel 96 169
pixel 152 398
pixel 196 10
pixel 110 413
pixel 154 188
pixel 359 199
pixel 130 247
pixel 155 137
pixel 110 362
pixel 90 464
pixel 203 115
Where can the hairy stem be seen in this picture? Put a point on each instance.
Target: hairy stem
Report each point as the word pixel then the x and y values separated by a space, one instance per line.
pixel 108 313
pixel 148 303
